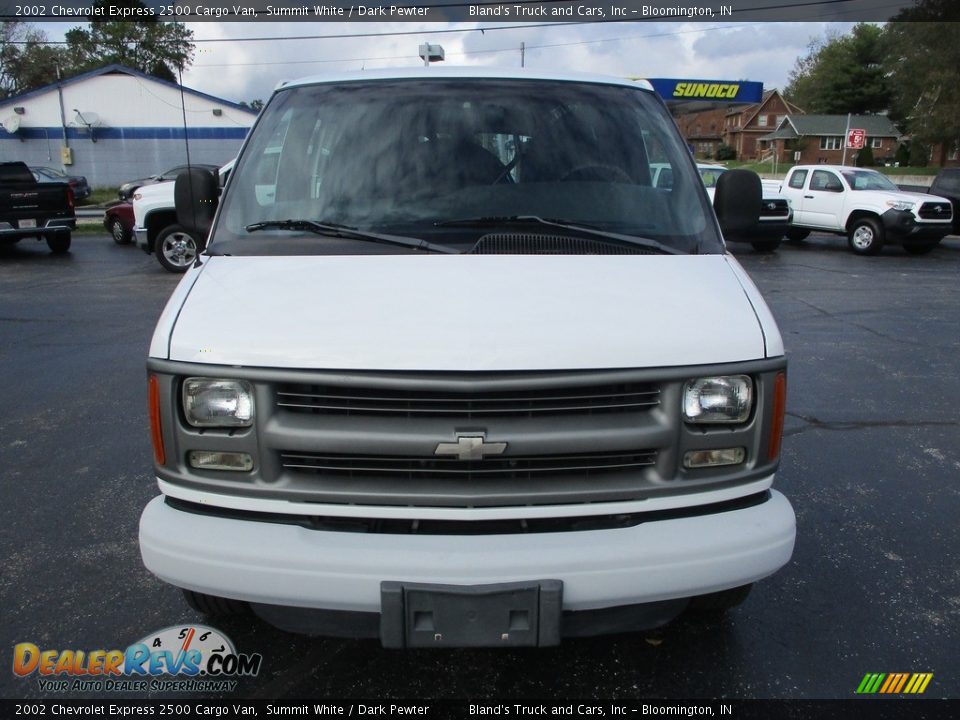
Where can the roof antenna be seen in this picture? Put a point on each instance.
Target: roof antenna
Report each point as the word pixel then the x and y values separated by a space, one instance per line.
pixel 186 143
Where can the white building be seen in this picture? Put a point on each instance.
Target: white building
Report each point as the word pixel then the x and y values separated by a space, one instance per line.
pixel 116 124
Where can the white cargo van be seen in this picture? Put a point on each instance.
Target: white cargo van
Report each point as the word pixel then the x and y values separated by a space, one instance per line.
pixel 453 371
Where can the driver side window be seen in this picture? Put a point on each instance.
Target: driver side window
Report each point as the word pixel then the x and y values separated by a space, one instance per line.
pixel 824 181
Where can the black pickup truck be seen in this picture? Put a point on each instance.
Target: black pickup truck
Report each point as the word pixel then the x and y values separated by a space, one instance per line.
pixel 44 211
pixel 947 185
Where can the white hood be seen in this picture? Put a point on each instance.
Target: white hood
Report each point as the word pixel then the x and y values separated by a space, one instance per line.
pixel 462 312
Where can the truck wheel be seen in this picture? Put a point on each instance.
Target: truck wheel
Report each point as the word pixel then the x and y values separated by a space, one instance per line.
pixel 866 236
pixel 921 248
pixel 796 234
pixel 765 246
pixel 214 606
pixel 120 234
pixel 176 249
pixel 720 601
pixel 59 243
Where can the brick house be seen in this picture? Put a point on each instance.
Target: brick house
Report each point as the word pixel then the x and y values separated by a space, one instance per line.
pixel 820 138
pixel 738 126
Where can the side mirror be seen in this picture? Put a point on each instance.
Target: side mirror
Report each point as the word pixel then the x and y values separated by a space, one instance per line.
pixel 833 186
pixel 737 201
pixel 195 195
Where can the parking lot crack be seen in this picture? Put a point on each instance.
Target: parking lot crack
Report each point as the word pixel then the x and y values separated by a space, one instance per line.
pixel 815 423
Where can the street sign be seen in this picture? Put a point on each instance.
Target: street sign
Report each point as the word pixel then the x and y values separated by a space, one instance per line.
pixel 856 138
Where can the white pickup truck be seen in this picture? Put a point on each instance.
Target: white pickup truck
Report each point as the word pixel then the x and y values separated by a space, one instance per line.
pixel 865 206
pixel 156 230
pixel 452 370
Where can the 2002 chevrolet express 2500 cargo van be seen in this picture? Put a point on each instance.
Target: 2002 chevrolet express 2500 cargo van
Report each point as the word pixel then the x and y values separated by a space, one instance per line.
pixel 451 371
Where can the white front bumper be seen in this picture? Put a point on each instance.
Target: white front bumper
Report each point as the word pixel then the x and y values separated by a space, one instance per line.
pixel 293 566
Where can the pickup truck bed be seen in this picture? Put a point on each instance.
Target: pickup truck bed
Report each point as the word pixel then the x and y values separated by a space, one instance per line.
pixel 31 209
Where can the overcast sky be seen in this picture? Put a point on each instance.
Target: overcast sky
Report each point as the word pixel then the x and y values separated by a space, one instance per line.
pixel 763 52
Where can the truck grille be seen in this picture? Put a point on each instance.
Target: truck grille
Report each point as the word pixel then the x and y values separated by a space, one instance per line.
pixel 429 481
pixel 934 211
pixel 512 468
pixel 323 399
pixel 775 208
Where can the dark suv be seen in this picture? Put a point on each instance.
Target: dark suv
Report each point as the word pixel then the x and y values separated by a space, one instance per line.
pixel 947 184
pixel 129 188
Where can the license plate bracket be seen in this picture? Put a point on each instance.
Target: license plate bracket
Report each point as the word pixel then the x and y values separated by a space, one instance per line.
pixel 524 614
pixel 27 223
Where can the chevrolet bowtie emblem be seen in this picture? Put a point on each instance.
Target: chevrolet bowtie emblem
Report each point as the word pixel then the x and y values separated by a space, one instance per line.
pixel 470 447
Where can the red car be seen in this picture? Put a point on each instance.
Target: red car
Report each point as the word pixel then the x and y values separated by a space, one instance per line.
pixel 118 220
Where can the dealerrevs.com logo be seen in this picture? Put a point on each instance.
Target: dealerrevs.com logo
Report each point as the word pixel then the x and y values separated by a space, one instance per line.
pixel 187 658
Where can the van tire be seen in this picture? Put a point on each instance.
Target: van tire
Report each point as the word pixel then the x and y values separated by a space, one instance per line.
pixel 719 602
pixel 214 606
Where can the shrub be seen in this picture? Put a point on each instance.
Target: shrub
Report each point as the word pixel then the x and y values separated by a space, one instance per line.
pixel 865 157
pixel 725 152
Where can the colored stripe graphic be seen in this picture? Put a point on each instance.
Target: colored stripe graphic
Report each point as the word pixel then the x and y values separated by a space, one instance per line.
pixel 894 683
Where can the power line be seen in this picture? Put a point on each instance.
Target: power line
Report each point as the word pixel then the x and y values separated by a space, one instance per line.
pixel 475 52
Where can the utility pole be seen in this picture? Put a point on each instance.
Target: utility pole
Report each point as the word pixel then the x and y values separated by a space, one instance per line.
pixel 523 50
pixel 846 134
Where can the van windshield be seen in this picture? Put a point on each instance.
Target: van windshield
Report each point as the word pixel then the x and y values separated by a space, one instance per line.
pixel 451 160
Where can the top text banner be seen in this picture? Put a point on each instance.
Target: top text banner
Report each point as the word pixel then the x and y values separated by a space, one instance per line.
pixel 458 10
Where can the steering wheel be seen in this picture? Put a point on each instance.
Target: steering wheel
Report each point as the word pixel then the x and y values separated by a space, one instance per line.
pixel 612 171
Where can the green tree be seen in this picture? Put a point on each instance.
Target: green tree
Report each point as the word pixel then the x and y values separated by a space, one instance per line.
pixel 27 61
pixel 922 60
pixel 149 45
pixel 842 74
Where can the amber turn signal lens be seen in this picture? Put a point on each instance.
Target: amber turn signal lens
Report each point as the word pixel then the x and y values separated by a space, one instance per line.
pixel 776 419
pixel 156 432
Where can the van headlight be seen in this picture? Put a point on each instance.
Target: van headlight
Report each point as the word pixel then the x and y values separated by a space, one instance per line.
pixel 215 402
pixel 720 399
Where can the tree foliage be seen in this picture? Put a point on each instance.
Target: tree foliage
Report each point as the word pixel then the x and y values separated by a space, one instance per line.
pixel 922 62
pixel 842 74
pixel 26 61
pixel 155 47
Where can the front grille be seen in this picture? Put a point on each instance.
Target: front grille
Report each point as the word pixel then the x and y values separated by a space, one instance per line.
pixel 499 468
pixel 395 402
pixel 775 208
pixel 510 481
pixel 934 211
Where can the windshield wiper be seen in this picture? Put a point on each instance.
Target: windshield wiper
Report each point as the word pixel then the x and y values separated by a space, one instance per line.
pixel 328 229
pixel 494 221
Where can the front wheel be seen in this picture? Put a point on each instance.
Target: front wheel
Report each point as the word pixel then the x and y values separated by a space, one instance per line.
pixel 176 248
pixel 120 234
pixel 797 234
pixel 765 246
pixel 59 243
pixel 866 236
pixel 921 248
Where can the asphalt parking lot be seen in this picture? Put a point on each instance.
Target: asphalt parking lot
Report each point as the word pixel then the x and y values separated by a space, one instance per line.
pixel 871 463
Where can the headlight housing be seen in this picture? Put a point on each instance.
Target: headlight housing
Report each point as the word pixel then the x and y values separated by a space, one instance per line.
pixel 216 402
pixel 723 399
pixel 900 204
